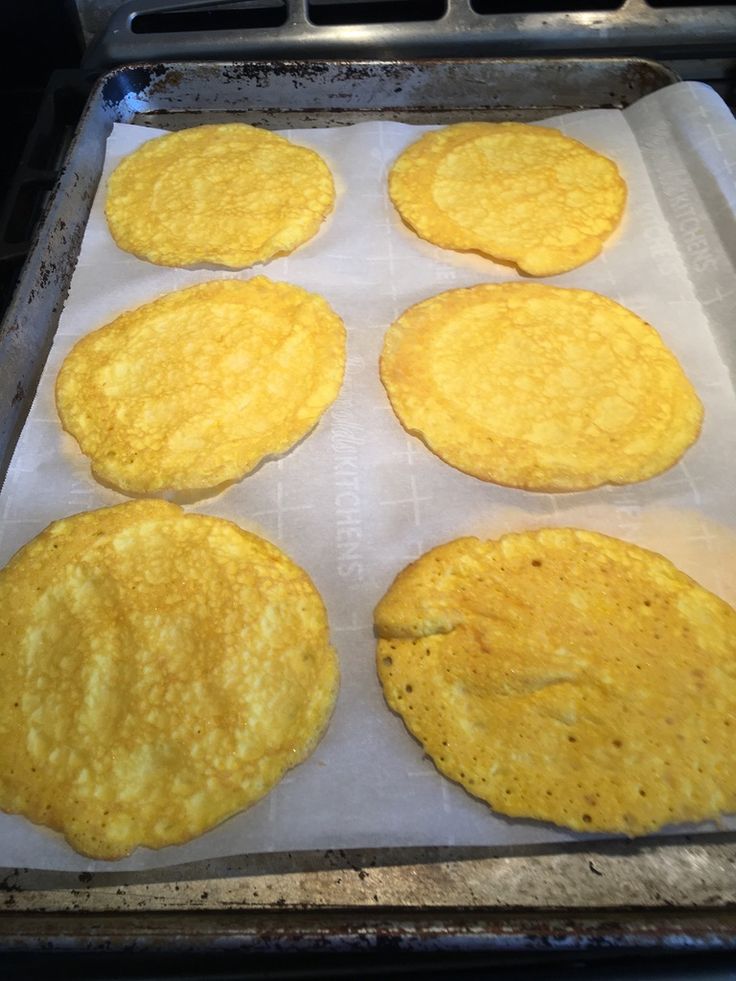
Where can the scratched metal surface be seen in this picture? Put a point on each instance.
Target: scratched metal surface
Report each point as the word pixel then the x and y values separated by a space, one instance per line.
pixel 678 892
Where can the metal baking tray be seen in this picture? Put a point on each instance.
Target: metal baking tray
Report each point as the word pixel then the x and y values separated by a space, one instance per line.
pixel 673 893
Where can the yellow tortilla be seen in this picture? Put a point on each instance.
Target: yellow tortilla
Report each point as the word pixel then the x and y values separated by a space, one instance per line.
pixel 539 387
pixel 229 194
pixel 197 387
pixel 520 194
pixel 566 676
pixel 159 672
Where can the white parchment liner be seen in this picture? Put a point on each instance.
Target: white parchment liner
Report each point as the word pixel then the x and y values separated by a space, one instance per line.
pixel 359 499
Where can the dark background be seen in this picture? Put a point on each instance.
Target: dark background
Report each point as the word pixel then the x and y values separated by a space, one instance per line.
pixel 36 36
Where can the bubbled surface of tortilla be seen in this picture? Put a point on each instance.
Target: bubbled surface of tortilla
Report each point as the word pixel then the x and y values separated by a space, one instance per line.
pixel 228 194
pixel 566 676
pixel 520 194
pixel 539 387
pixel 195 388
pixel 159 672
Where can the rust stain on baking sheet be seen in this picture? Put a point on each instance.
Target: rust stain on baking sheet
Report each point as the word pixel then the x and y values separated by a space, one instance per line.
pixel 263 73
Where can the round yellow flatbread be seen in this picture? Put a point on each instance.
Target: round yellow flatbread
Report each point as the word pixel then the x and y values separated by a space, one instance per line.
pixel 159 671
pixel 197 387
pixel 566 676
pixel 228 194
pixel 539 387
pixel 520 194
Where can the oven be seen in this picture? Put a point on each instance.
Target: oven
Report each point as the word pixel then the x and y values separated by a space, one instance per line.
pixel 322 63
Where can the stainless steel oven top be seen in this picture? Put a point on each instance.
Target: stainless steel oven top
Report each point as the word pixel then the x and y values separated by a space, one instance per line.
pixel 696 39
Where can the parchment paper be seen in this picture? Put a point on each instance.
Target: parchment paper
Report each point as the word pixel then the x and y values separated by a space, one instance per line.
pixel 359 499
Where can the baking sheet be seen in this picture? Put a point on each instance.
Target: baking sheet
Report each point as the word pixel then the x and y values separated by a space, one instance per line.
pixel 359 498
